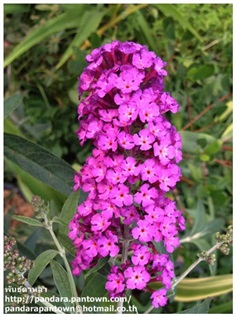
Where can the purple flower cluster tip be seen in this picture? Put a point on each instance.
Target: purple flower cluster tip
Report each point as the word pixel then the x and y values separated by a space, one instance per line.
pixel 132 167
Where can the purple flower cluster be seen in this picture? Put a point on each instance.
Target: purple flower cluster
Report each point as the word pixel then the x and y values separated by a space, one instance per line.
pixel 133 165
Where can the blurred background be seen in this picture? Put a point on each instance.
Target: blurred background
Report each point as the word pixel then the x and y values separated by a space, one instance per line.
pixel 45 47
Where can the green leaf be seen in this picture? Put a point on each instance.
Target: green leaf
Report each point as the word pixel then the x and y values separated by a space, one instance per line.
pixel 194 289
pixel 200 72
pixel 69 209
pixel 145 29
pixel 195 142
pixel 40 263
pixel 171 11
pixel 64 21
pixel 96 288
pixel 61 280
pixel 16 8
pixel 89 24
pixel 40 163
pixel 199 308
pixel 28 221
pixel 222 308
pixel 11 103
pixel 208 229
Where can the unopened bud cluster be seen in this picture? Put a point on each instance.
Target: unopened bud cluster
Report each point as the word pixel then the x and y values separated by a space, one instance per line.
pixel 14 264
pixel 209 258
pixel 40 207
pixel 226 238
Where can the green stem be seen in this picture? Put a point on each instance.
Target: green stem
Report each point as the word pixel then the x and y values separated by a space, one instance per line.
pixel 200 259
pixel 61 250
pixel 189 269
pixel 123 260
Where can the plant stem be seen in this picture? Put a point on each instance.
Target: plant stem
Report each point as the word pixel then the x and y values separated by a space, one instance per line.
pixel 123 260
pixel 200 259
pixel 61 250
pixel 189 269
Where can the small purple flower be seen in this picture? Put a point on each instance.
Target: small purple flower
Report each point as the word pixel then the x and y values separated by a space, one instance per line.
pixel 125 140
pixel 146 195
pixel 121 196
pixel 141 256
pixel 159 298
pixel 144 139
pixel 129 79
pixel 108 245
pixel 115 284
pixel 137 277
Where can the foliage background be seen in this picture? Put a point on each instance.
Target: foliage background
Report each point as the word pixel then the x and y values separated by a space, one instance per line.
pixel 45 49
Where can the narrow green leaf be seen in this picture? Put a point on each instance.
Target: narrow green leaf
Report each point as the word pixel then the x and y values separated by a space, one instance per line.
pixel 171 11
pixel 89 24
pixel 194 289
pixel 28 221
pixel 40 163
pixel 40 263
pixel 199 308
pixel 11 103
pixel 61 280
pixel 64 21
pixel 145 29
pixel 69 209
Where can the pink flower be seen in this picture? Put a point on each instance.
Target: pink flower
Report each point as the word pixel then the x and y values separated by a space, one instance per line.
pixel 99 223
pixel 108 245
pixel 132 166
pixel 137 277
pixel 159 298
pixel 129 79
pixel 125 140
pixel 145 139
pixel 121 196
pixel 146 195
pixel 149 171
pixel 115 284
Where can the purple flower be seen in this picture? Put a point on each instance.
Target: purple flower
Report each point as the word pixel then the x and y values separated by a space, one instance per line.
pixel 141 256
pixel 121 196
pixel 108 245
pixel 132 166
pixel 137 277
pixel 159 298
pixel 143 232
pixel 145 139
pixel 149 171
pixel 125 140
pixel 146 195
pixel 129 79
pixel 115 284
